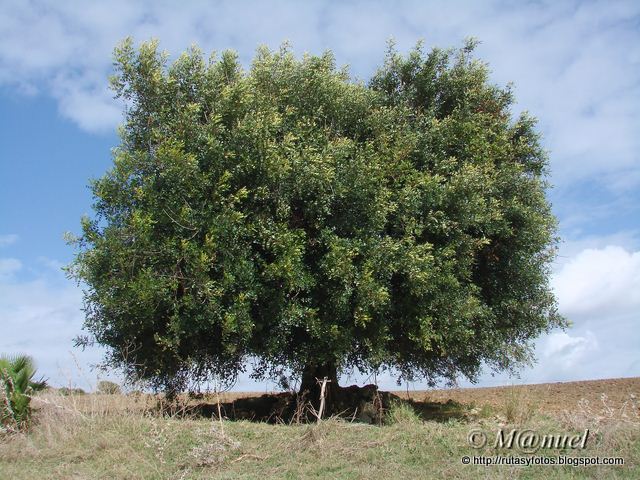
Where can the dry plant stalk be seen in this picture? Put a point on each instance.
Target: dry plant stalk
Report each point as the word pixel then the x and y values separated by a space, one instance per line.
pixel 323 394
pixel 587 415
pixel 301 407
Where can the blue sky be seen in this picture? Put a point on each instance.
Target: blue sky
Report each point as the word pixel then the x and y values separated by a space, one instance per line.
pixel 575 65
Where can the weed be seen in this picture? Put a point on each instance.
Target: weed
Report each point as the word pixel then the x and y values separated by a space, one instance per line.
pixel 517 408
pixel 401 412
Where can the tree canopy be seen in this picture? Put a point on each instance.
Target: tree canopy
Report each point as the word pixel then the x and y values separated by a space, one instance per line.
pixel 290 217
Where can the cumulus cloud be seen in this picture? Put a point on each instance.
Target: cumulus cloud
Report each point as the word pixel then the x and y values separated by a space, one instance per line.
pixel 40 317
pixel 8 267
pixel 599 282
pixel 566 350
pixel 574 64
pixel 597 286
pixel 9 239
pixel 571 247
pixel 598 291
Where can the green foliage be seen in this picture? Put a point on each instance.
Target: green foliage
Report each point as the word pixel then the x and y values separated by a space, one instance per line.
pixel 401 413
pixel 108 388
pixel 66 391
pixel 17 384
pixel 291 217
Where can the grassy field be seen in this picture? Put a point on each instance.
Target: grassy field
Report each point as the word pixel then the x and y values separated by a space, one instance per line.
pixel 124 437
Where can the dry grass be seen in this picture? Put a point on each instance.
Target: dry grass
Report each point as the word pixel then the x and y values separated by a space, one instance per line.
pixel 603 413
pixel 127 437
pixel 550 398
pixel 518 408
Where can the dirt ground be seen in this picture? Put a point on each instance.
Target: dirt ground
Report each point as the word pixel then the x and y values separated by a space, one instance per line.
pixel 616 393
pixel 553 397
pixel 610 398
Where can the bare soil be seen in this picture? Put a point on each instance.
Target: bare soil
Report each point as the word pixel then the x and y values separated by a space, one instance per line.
pixel 619 395
pixel 547 397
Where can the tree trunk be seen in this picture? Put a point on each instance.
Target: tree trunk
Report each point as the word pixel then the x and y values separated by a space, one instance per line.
pixel 310 387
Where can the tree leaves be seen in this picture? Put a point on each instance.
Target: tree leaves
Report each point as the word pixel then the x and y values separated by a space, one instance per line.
pixel 290 216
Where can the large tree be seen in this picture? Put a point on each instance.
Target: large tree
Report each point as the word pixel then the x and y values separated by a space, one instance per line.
pixel 293 218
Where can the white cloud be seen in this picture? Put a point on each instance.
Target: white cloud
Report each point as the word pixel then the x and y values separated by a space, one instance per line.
pixel 598 290
pixel 603 347
pixel 566 350
pixel 40 317
pixel 572 247
pixel 91 106
pixel 54 265
pixel 9 239
pixel 597 286
pixel 9 267
pixel 599 282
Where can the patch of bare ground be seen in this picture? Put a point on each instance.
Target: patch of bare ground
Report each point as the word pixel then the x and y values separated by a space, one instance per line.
pixel 614 398
pixel 616 395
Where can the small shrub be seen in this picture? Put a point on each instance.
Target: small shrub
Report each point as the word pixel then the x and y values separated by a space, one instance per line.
pixel 518 409
pixel 108 388
pixel 401 413
pixel 598 416
pixel 66 391
pixel 16 387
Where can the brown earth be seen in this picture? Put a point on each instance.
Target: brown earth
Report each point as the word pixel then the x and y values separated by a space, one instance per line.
pixel 614 393
pixel 613 397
